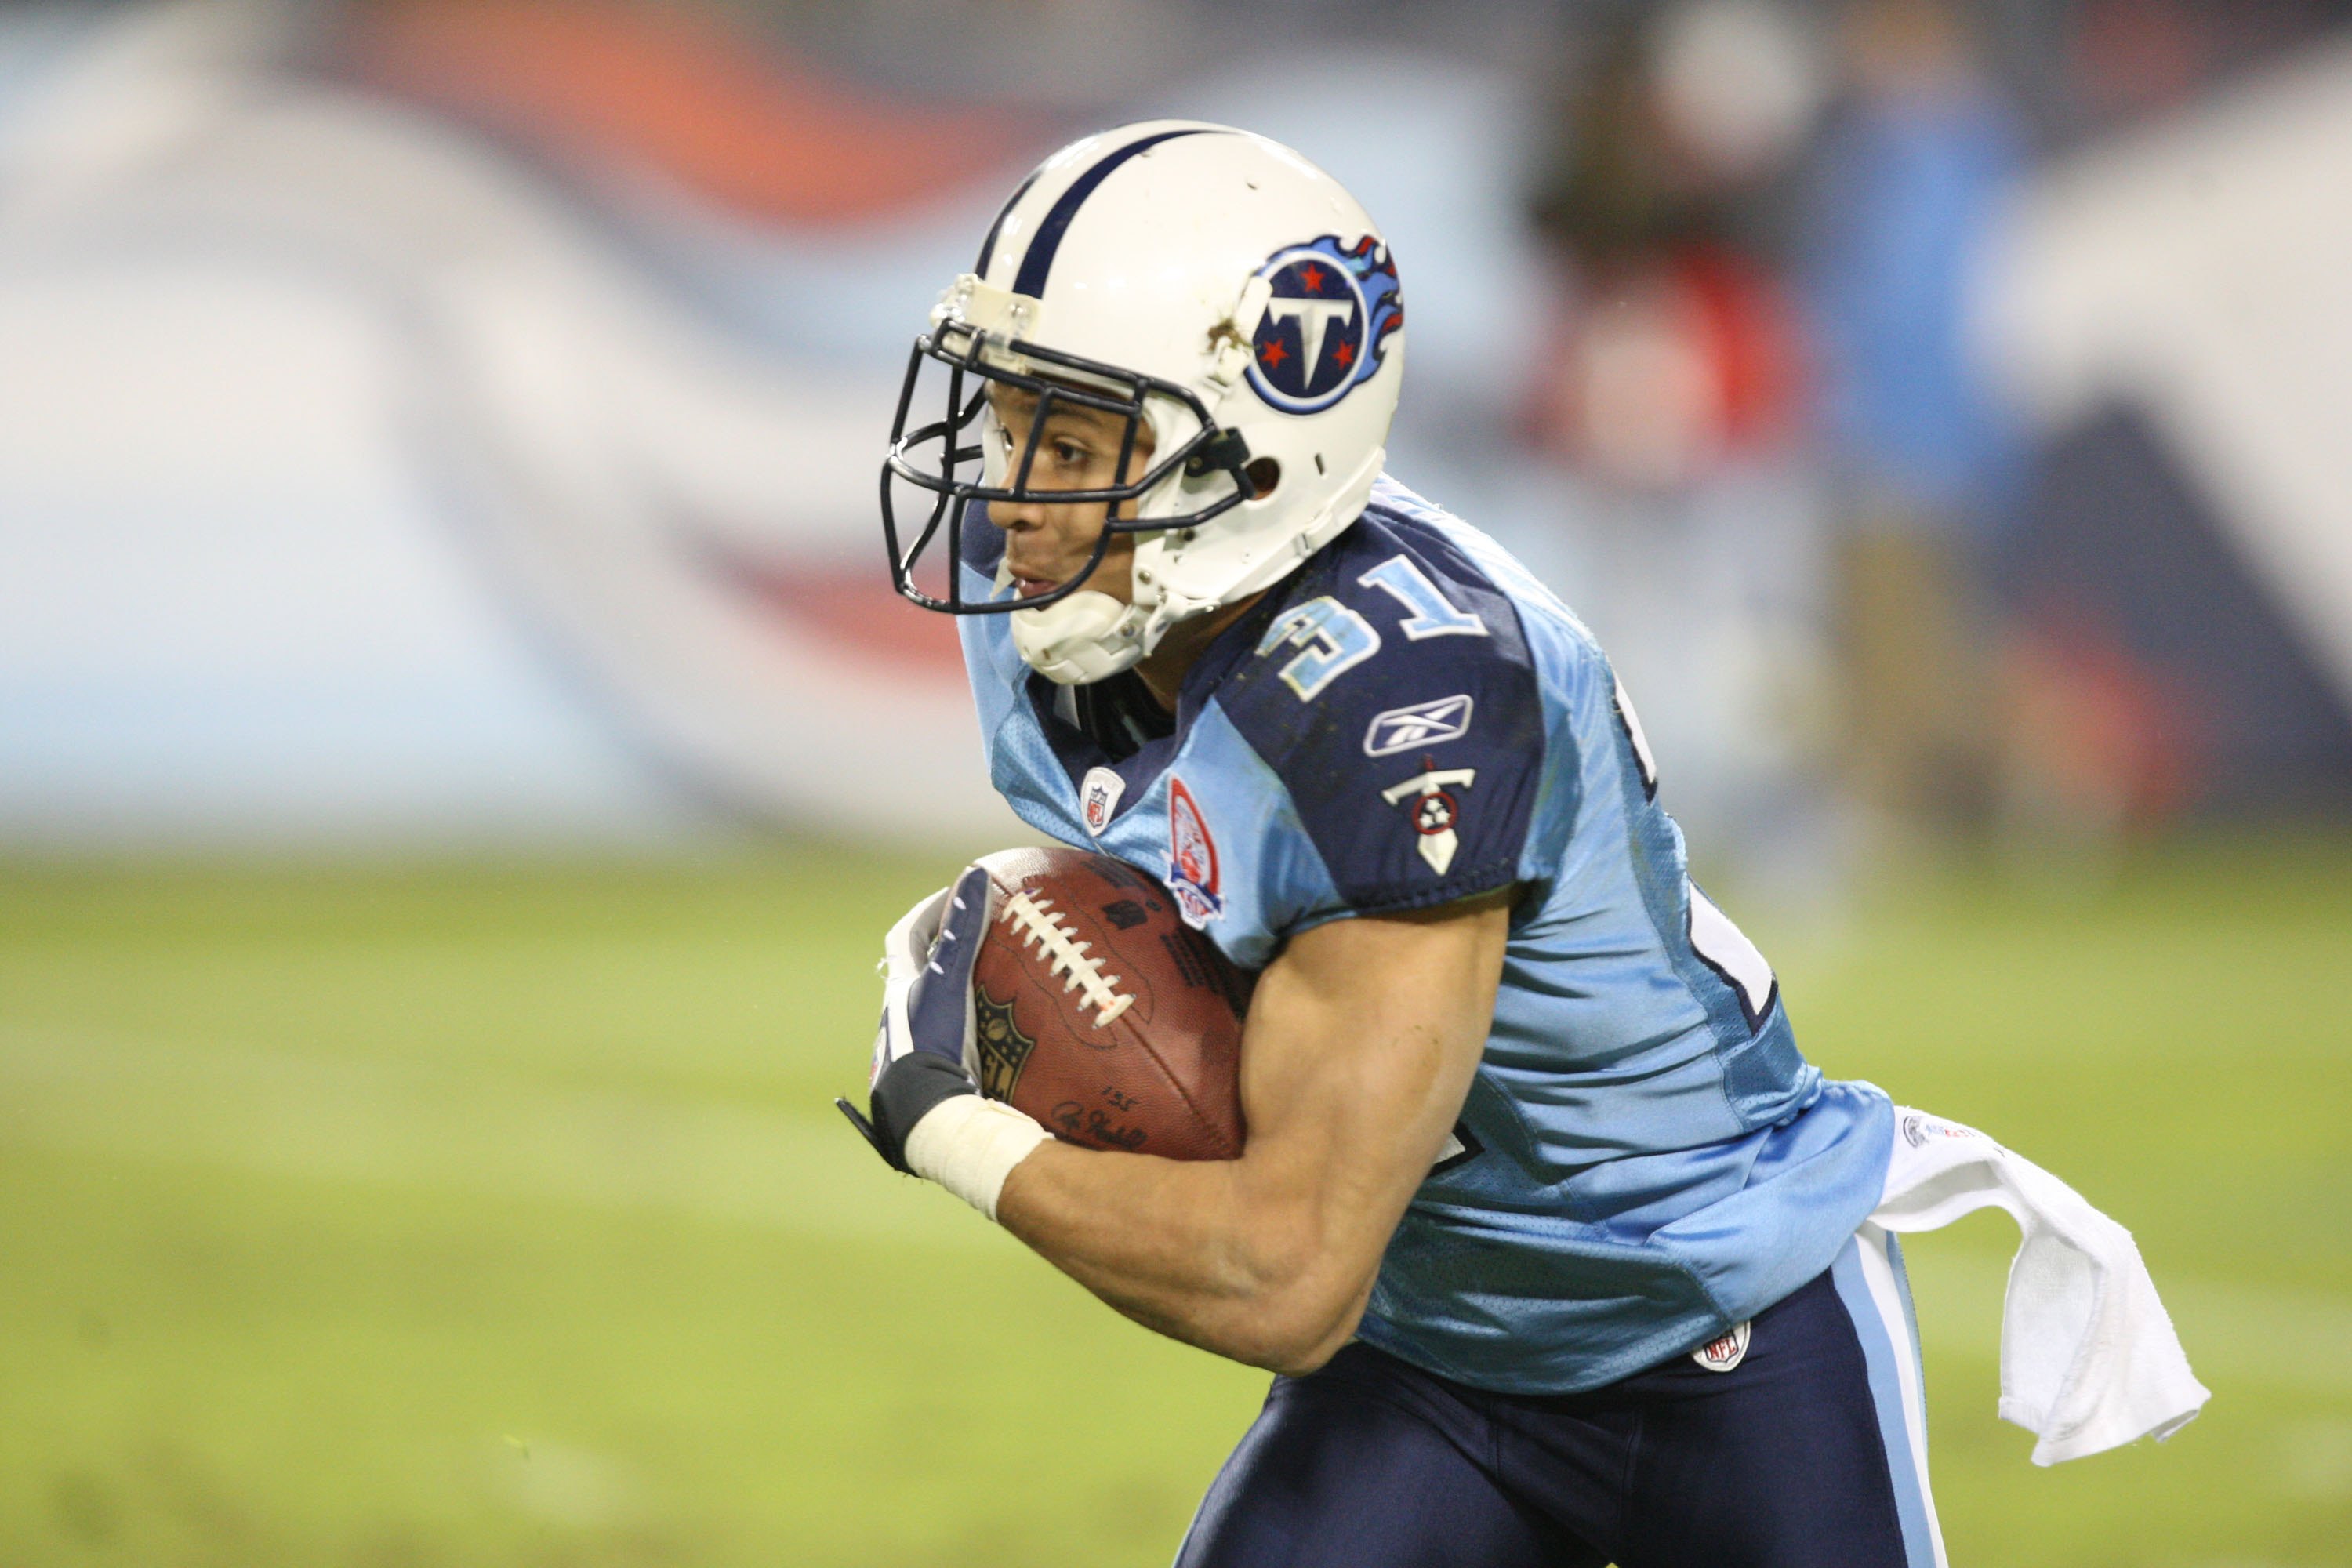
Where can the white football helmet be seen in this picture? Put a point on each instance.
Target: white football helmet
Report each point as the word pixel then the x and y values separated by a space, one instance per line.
pixel 1202 280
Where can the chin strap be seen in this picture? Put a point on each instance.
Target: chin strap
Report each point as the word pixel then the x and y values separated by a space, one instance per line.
pixel 1090 636
pixel 1084 638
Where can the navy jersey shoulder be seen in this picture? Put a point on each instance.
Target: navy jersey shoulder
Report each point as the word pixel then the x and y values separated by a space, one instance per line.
pixel 1392 691
pixel 979 544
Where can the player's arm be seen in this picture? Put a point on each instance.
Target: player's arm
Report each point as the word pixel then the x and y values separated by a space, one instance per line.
pixel 1359 1049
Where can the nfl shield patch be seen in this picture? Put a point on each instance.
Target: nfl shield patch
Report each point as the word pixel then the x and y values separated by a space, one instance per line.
pixel 1099 798
pixel 1724 1353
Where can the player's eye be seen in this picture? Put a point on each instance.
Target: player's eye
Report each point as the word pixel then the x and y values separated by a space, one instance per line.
pixel 1070 453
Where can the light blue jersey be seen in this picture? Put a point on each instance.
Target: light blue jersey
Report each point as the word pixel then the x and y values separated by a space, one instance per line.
pixel 1644 1160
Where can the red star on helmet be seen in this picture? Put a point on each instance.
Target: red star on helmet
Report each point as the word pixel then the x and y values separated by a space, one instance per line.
pixel 1313 278
pixel 1344 355
pixel 1272 354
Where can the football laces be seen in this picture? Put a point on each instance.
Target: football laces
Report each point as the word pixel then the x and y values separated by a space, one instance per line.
pixel 1037 923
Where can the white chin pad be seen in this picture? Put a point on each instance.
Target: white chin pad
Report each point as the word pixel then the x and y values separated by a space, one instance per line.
pixel 1083 638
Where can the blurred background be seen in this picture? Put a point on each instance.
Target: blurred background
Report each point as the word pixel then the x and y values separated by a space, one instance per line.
pixel 458 749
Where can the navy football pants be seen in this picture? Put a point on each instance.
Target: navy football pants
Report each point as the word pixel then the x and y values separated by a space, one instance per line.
pixel 1811 1453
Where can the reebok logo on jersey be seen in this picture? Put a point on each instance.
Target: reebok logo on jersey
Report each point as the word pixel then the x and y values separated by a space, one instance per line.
pixel 1434 811
pixel 1725 1353
pixel 1422 724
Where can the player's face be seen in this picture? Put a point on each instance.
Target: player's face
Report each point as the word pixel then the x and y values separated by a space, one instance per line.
pixel 1078 449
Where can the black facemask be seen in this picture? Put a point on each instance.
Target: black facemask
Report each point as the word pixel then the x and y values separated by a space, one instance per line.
pixel 936 457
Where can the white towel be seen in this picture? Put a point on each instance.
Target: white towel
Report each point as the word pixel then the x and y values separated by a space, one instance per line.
pixel 2088 1357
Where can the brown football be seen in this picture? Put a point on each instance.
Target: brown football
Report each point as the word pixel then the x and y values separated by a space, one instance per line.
pixel 1102 1014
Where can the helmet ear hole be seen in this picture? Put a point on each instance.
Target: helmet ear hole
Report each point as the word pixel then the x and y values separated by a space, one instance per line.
pixel 1263 475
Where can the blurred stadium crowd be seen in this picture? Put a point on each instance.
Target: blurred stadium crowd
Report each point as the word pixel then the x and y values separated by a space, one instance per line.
pixel 454 421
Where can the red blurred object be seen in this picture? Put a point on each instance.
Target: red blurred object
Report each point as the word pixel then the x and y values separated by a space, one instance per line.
pixel 1666 369
pixel 734 119
pixel 2099 728
pixel 851 607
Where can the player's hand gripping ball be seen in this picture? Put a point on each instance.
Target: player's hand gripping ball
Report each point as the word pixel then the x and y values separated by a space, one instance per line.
pixel 1099 1012
pixel 1050 991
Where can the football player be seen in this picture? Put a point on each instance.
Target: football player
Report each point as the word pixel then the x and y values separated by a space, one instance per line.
pixel 1548 1228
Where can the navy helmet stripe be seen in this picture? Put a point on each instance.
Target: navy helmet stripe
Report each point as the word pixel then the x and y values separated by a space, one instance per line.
pixel 988 246
pixel 1035 265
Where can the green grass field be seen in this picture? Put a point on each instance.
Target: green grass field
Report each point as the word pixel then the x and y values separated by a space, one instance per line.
pixel 407 1218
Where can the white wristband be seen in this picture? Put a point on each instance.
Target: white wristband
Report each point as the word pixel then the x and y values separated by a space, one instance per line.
pixel 968 1145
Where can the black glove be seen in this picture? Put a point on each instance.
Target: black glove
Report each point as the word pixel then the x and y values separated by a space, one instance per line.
pixel 921 1050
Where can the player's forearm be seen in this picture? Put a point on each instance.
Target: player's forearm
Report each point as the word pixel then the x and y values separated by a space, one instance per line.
pixel 1213 1253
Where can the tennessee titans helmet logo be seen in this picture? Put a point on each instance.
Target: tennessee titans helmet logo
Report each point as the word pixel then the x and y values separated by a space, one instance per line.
pixel 1326 324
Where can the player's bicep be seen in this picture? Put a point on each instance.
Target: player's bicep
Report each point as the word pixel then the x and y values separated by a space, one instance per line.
pixel 1361 1041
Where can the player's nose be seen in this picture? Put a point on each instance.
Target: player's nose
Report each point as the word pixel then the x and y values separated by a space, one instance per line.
pixel 1015 517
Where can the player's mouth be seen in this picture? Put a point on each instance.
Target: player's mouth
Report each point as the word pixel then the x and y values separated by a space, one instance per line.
pixel 1031 582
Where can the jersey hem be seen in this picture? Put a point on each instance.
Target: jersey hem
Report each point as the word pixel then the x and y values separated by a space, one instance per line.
pixel 1655 1350
pixel 1469 884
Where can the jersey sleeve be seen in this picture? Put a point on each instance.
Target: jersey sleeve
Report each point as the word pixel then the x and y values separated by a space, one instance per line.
pixel 1394 695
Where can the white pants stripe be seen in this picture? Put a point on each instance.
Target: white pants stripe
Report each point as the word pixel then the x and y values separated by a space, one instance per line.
pixel 1870 1282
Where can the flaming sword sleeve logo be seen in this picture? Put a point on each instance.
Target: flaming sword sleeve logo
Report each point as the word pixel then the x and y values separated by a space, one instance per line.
pixel 1434 811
